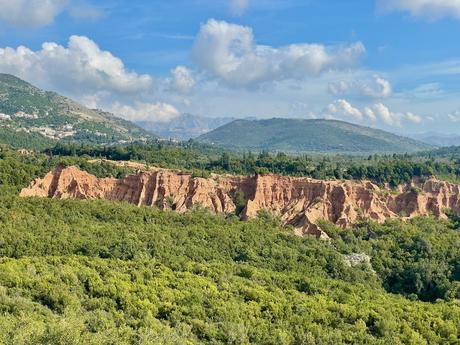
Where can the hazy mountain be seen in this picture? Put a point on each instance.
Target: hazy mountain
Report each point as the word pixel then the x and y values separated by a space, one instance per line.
pixel 26 112
pixel 185 126
pixel 438 139
pixel 296 135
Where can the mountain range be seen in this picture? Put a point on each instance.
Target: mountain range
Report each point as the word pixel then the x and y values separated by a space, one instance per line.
pixel 184 126
pixel 33 118
pixel 298 136
pixel 438 139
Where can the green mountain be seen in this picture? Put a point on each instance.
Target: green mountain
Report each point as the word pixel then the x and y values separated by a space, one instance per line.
pixel 296 136
pixel 26 112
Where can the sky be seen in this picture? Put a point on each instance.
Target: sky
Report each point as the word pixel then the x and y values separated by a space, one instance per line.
pixel 389 64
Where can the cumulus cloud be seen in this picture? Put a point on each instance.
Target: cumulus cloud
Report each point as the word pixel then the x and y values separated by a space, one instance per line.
pixel 81 67
pixel 94 100
pixel 376 113
pixel 156 112
pixel 413 117
pixel 432 9
pixel 95 77
pixel 380 111
pixel 182 80
pixel 238 7
pixel 37 13
pixel 454 116
pixel 30 12
pixel 375 87
pixel 342 109
pixel 370 114
pixel 230 53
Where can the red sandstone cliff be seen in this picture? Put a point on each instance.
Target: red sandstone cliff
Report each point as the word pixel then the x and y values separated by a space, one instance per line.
pixel 298 201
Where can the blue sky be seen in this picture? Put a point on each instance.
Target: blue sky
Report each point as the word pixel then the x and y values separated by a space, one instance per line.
pixel 391 64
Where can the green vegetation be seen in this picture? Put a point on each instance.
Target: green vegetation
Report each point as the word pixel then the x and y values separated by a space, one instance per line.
pixel 22 140
pixel 60 116
pixel 300 136
pixel 419 259
pixel 92 272
pixel 98 272
pixel 201 159
pixel 17 171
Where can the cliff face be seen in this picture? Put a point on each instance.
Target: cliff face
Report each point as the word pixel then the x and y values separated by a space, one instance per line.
pixel 300 202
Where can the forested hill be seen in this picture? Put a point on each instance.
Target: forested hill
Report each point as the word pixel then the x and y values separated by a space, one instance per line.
pixel 98 272
pixel 33 118
pixel 297 136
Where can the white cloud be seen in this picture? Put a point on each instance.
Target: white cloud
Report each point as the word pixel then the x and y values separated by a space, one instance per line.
pixel 454 116
pixel 413 117
pixel 229 52
pixel 30 12
pixel 85 72
pixel 94 100
pixel 37 13
pixel 156 112
pixel 383 113
pixel 374 87
pixel 238 7
pixel 80 68
pixel 370 114
pixel 342 109
pixel 182 80
pixel 376 113
pixel 380 111
pixel 432 9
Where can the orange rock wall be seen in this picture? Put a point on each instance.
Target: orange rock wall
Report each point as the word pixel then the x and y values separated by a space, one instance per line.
pixel 300 202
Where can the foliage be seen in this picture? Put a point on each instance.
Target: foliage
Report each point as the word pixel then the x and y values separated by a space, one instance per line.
pixel 391 169
pixel 419 259
pixel 240 202
pixel 55 112
pixel 18 170
pixel 99 272
pixel 92 272
pixel 20 139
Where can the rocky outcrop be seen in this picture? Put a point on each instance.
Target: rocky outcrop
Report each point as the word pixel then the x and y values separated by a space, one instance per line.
pixel 301 202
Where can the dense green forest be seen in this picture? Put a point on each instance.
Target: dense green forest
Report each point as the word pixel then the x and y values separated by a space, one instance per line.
pixel 77 272
pixel 202 159
pixel 99 272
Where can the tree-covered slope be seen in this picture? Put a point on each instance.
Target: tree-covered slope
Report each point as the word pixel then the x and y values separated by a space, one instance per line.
pixel 449 152
pixel 78 272
pixel 296 135
pixel 25 109
pixel 99 272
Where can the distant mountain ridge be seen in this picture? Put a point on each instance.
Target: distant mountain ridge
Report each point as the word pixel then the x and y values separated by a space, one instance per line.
pixel 26 111
pixel 184 126
pixel 299 135
pixel 438 139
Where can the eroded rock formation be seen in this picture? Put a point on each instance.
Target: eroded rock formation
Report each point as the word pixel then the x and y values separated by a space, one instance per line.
pixel 300 202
